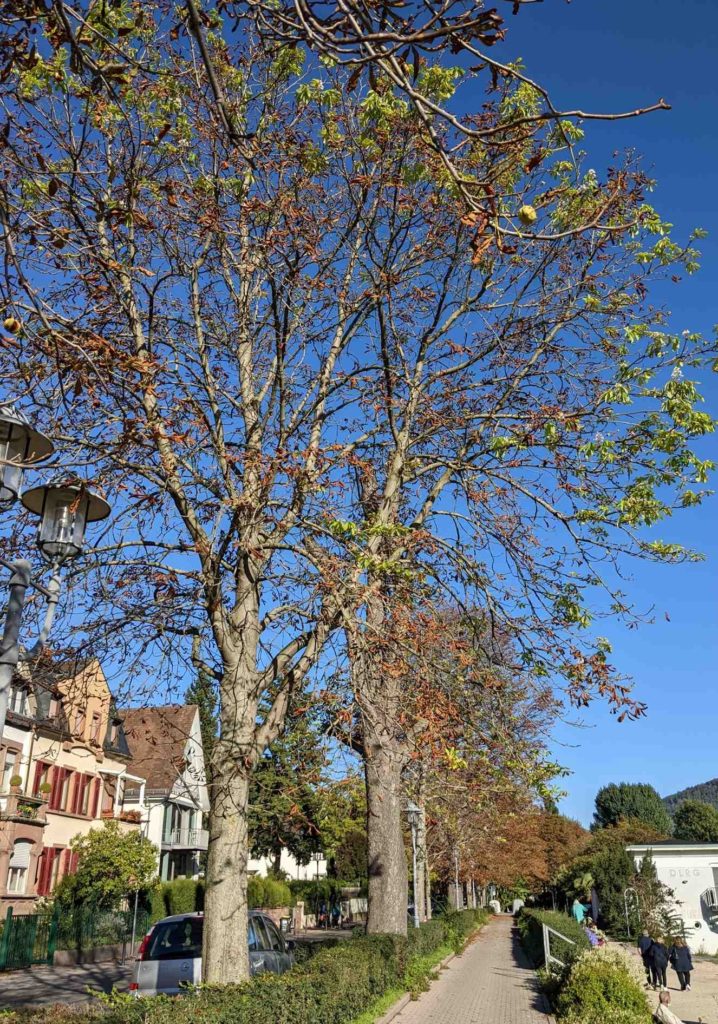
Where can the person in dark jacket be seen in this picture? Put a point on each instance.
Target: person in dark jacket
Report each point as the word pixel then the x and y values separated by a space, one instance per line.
pixel 644 946
pixel 682 963
pixel 659 962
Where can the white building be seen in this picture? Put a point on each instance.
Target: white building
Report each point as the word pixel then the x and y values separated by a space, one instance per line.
pixel 691 871
pixel 167 751
pixel 300 872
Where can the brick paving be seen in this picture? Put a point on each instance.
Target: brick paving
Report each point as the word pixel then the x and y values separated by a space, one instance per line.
pixel 490 983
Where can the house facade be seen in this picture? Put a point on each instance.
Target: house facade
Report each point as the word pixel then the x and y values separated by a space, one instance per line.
pixel 690 870
pixel 166 744
pixel 64 763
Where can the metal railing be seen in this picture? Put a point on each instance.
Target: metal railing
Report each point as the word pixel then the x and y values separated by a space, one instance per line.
pixel 549 959
pixel 190 838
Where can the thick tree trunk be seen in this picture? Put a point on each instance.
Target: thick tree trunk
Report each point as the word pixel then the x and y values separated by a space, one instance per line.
pixel 277 861
pixel 387 866
pixel 225 952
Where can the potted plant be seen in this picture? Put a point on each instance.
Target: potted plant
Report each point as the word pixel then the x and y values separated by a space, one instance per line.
pixel 15 783
pixel 44 789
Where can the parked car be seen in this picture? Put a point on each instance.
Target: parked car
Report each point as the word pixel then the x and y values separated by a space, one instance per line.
pixel 170 955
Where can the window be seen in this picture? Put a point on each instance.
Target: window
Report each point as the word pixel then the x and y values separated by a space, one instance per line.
pixel 9 766
pixel 80 723
pixel 261 939
pixel 18 866
pixel 42 774
pixel 63 803
pixel 274 940
pixel 114 733
pixel 96 723
pixel 81 795
pixel 18 700
pixel 55 707
pixel 108 795
pixel 175 940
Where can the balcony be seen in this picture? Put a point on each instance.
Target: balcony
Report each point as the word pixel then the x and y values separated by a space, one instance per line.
pixel 22 809
pixel 186 839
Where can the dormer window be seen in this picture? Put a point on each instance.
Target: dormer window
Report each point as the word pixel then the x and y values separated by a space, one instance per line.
pixel 54 709
pixel 96 723
pixel 80 723
pixel 18 700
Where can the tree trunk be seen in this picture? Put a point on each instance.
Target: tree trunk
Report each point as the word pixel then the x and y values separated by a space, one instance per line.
pixel 277 862
pixel 225 951
pixel 387 867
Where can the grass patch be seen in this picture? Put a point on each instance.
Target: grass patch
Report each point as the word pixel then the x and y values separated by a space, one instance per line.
pixel 419 974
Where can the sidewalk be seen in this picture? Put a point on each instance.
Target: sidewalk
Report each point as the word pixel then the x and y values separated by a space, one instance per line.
pixel 42 986
pixel 701 1003
pixel 490 983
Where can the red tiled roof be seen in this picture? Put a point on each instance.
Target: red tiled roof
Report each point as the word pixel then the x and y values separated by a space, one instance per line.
pixel 157 739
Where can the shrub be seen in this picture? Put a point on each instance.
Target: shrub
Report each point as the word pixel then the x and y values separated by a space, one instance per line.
pixel 255 891
pixel 334 987
pixel 276 893
pixel 530 924
pixel 184 896
pixel 602 985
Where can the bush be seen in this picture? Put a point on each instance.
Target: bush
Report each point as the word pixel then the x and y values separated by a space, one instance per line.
pixel 603 985
pixel 334 987
pixel 530 924
pixel 276 893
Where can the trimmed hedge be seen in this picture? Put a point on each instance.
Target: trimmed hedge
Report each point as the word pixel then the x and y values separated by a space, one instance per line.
pixel 186 895
pixel 334 987
pixel 530 925
pixel 603 985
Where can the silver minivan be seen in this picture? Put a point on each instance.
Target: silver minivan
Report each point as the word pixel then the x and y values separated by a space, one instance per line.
pixel 170 955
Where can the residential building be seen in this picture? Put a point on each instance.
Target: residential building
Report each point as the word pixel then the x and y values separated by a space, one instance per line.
pixel 293 869
pixel 690 870
pixel 166 745
pixel 65 748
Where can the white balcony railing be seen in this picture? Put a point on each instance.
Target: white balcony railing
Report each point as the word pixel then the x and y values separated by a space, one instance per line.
pixel 187 838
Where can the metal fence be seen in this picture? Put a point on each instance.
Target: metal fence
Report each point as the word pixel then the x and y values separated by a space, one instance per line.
pixel 29 939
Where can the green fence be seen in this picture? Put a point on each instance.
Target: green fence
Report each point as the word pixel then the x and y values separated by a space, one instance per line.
pixel 83 928
pixel 27 939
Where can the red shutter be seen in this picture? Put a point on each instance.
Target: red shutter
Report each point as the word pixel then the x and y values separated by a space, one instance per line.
pixel 47 858
pixel 74 857
pixel 95 798
pixel 39 768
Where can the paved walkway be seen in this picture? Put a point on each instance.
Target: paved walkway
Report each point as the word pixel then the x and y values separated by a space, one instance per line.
pixel 701 1003
pixel 490 983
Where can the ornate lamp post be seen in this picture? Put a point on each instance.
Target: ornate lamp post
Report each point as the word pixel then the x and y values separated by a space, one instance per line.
pixel 413 813
pixel 65 507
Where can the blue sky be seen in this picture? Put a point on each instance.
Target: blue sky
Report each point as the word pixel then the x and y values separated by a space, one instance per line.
pixel 603 55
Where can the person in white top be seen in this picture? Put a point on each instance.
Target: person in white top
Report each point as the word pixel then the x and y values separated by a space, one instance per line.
pixel 663 1014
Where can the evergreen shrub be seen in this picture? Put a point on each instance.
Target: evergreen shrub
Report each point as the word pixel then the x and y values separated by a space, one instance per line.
pixel 603 985
pixel 334 987
pixel 530 925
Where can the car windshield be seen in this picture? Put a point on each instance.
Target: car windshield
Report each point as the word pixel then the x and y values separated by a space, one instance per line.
pixel 173 940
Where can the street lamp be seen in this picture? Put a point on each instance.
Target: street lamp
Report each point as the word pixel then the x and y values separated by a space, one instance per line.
pixel 65 507
pixel 20 446
pixel 318 857
pixel 413 813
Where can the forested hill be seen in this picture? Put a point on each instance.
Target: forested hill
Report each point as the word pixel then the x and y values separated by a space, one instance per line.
pixel 706 792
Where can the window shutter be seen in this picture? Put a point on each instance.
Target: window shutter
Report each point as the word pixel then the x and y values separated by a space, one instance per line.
pixel 74 857
pixel 95 798
pixel 44 867
pixel 20 857
pixel 39 767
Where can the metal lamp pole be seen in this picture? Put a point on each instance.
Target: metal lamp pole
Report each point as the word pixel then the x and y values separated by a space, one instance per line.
pixel 413 813
pixel 65 507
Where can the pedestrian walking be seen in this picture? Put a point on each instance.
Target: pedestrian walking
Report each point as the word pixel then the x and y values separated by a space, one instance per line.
pixel 578 911
pixel 644 948
pixel 664 1014
pixel 682 963
pixel 659 962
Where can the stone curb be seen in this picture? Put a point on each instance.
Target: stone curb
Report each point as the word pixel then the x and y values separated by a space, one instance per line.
pixel 404 1000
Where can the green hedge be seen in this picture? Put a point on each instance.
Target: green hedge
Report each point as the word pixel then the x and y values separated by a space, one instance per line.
pixel 185 896
pixel 530 925
pixel 603 985
pixel 334 987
